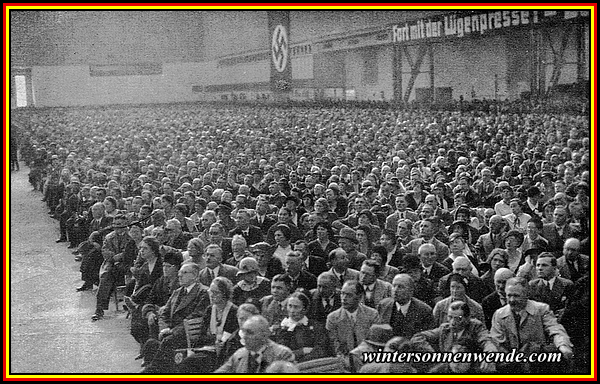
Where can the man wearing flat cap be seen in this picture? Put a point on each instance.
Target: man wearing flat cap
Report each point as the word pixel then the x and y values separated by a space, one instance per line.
pixel 378 335
pixel 348 241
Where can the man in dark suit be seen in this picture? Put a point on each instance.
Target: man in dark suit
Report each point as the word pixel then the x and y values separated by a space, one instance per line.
pixel 216 235
pixel 431 268
pixel 215 266
pixel 557 232
pixel 460 328
pixel 261 220
pixel 187 302
pixel 98 220
pixel 299 276
pixel 573 265
pixel 375 289
pixel 251 233
pixel 496 299
pixel 403 312
pixel 548 287
pixel 312 264
pixel 325 298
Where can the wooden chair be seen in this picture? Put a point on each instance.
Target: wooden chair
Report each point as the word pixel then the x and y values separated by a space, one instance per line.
pixel 118 294
pixel 324 365
pixel 192 329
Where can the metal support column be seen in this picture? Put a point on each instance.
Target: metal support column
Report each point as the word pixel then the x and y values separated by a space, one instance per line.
pixel 558 58
pixel 431 73
pixel 397 74
pixel 414 71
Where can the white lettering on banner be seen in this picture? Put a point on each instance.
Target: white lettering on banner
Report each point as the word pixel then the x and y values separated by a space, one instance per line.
pixel 453 25
pixel 279 48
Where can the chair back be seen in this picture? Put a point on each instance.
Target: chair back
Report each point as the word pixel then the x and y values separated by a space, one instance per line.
pixel 324 365
pixel 192 330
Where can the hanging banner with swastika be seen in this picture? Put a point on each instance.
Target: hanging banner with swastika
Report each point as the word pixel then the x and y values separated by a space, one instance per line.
pixel 279 44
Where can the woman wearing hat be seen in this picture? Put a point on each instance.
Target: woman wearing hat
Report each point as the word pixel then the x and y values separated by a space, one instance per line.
pixel 307 338
pixel 251 284
pixel 512 242
pixel 459 286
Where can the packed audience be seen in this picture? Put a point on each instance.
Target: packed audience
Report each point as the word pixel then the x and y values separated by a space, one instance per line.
pixel 295 233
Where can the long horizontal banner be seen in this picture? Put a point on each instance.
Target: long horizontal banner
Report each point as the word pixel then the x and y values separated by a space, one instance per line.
pixel 137 69
pixel 460 25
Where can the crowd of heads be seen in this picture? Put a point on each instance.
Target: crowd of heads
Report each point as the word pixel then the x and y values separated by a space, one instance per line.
pixel 336 174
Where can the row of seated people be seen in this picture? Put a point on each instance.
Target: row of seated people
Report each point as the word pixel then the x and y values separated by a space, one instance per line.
pixel 253 286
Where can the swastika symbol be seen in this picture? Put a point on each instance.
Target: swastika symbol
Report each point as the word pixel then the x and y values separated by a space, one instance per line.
pixel 279 48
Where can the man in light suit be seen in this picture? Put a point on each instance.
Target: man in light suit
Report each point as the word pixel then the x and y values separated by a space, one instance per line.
pixel 258 351
pixel 525 325
pixel 187 302
pixel 349 325
pixel 402 212
pixel 548 287
pixel 338 259
pixel 428 228
pixel 375 289
pixel 406 314
pixel 493 239
pixel 572 265
pixel 215 267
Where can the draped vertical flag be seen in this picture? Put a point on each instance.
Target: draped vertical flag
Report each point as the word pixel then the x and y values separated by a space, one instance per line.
pixel 281 62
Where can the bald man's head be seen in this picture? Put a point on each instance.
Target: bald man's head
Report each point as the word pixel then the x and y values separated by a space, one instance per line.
pixel 500 278
pixel 461 265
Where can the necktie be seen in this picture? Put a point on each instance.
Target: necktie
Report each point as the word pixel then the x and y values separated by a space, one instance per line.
pixel 182 295
pixel 517 222
pixel 402 215
pixel 518 327
pixel 211 274
pixel 369 298
pixel 328 306
pixel 425 273
pixel 252 362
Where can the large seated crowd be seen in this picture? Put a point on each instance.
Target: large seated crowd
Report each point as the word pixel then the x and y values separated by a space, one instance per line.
pixel 289 234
